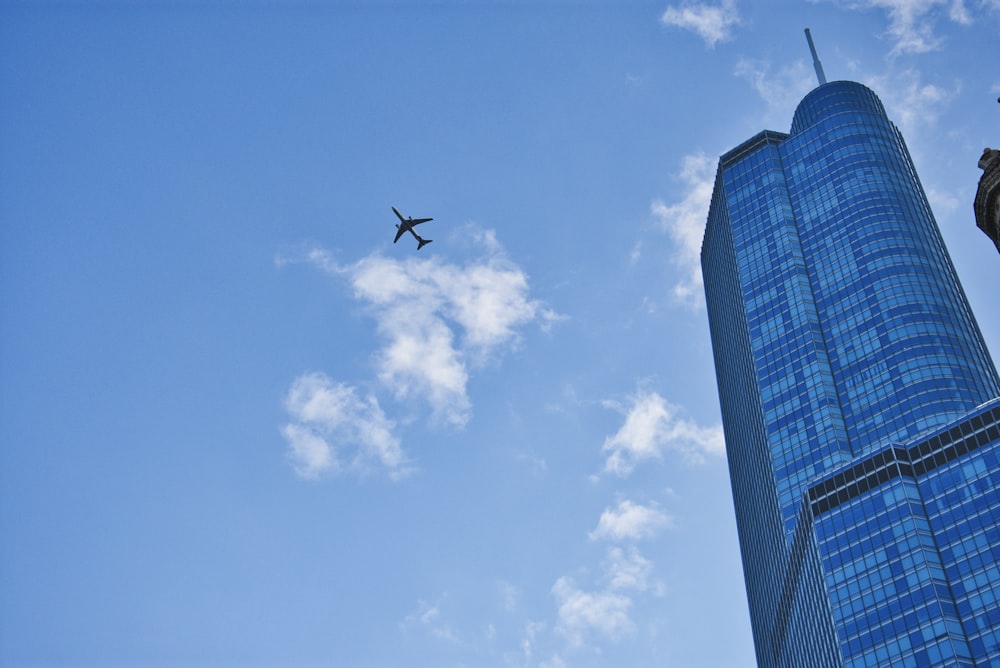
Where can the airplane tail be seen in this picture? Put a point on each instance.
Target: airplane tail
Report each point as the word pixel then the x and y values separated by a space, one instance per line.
pixel 423 242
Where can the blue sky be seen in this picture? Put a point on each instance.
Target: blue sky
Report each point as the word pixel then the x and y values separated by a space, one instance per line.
pixel 240 427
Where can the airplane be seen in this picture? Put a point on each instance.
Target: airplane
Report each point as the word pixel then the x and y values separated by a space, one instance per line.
pixel 406 225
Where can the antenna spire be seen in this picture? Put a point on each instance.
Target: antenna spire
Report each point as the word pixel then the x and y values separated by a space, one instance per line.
pixel 816 64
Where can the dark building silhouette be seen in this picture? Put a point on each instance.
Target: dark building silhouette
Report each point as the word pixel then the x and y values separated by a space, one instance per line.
pixel 987 202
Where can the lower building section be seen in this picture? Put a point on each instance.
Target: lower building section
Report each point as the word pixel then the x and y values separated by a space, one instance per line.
pixel 896 558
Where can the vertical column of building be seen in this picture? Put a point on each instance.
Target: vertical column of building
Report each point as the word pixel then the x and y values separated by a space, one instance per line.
pixel 792 375
pixel 757 517
pixel 779 411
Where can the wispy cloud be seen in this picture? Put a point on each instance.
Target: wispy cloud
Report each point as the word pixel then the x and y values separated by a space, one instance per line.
pixel 604 610
pixel 653 425
pixel 912 23
pixel 555 661
pixel 713 23
pixel 629 521
pixel 684 222
pixel 508 595
pixel 437 320
pixel 910 101
pixel 427 617
pixel 627 570
pixel 529 637
pixel 582 612
pixel 781 90
pixel 943 202
pixel 534 463
pixel 333 430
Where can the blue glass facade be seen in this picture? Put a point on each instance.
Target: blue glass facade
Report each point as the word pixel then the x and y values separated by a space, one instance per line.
pixel 843 342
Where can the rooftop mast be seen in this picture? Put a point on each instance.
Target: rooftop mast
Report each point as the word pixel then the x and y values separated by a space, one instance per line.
pixel 816 64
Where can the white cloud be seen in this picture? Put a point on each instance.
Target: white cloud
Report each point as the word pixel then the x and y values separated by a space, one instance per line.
pixel 581 612
pixel 310 453
pixel 333 430
pixel 959 14
pixel 713 23
pixel 653 425
pixel 629 521
pixel 912 22
pixel 684 222
pixel 421 361
pixel 438 320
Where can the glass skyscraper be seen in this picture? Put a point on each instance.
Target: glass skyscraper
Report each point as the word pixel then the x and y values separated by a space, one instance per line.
pixel 860 405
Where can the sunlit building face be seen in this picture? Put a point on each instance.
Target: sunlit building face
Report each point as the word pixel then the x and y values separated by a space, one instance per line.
pixel 859 400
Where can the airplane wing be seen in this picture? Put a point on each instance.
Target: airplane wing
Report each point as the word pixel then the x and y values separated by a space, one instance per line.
pixel 399 232
pixel 421 220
